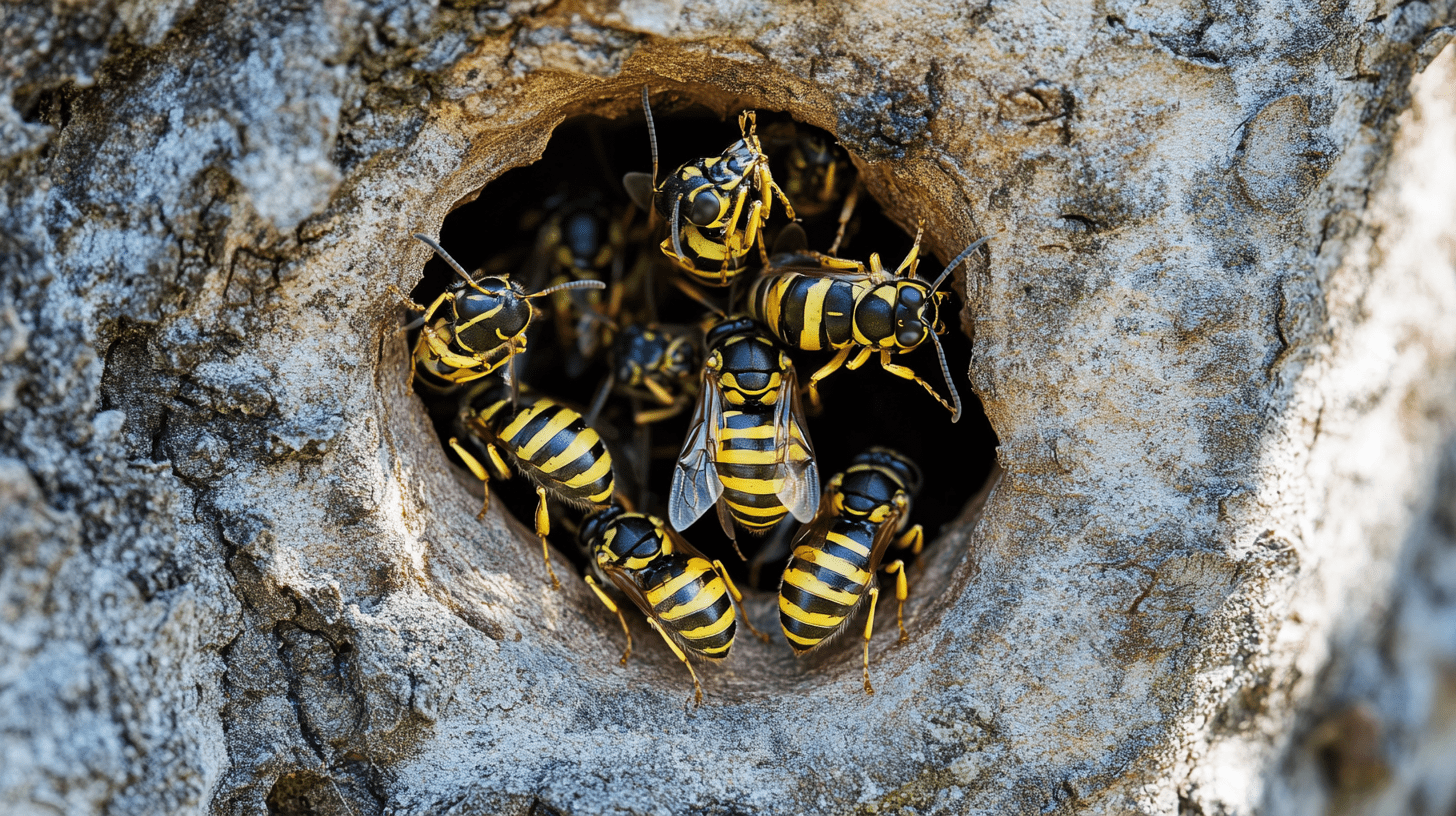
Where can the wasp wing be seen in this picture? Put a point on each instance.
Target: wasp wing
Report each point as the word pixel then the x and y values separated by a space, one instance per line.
pixel 639 189
pixel 796 468
pixel 695 482
pixel 883 536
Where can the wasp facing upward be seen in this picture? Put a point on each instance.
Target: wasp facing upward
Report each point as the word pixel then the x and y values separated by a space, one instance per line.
pixel 688 600
pixel 747 448
pixel 836 557
pixel 716 207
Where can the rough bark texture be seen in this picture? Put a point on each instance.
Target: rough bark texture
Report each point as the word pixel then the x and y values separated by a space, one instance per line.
pixel 1214 336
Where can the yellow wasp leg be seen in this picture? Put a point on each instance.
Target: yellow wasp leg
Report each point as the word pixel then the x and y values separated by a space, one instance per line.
pixel 543 529
pixel 478 469
pixel 914 539
pixel 907 267
pixel 753 233
pixel 904 371
pixel 659 393
pixel 859 359
pixel 902 591
pixel 845 213
pixel 827 369
pixel 606 601
pixel 659 414
pixel 697 687
pixel 779 194
pixel 869 630
pixel 738 599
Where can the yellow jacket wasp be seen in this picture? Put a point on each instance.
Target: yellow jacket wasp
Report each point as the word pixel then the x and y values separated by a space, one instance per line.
pixel 813 301
pixel 747 449
pixel 864 510
pixel 548 442
pixel 715 207
pixel 475 326
pixel 688 600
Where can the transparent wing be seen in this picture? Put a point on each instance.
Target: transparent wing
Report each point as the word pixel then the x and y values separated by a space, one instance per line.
pixel 695 482
pixel 883 536
pixel 799 490
pixel 639 189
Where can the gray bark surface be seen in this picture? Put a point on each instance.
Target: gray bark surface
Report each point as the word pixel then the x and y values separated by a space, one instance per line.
pixel 1214 336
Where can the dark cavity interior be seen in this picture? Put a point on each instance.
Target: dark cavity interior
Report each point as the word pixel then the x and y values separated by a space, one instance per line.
pixel 498 231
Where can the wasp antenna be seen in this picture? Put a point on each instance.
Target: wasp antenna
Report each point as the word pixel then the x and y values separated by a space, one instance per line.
pixel 651 134
pixel 590 283
pixel 955 398
pixel 673 224
pixel 445 256
pixel 965 253
pixel 516 388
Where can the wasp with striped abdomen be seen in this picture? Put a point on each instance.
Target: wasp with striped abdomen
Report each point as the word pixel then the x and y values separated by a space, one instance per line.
pixel 549 443
pixel 484 328
pixel 813 301
pixel 716 207
pixel 688 600
pixel 747 449
pixel 836 557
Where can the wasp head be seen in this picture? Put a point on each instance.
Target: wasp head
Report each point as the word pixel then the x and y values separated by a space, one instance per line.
pixel 916 313
pixel 489 312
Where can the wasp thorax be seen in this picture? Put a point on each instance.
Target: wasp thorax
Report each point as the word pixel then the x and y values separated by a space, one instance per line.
pixel 632 540
pixel 484 318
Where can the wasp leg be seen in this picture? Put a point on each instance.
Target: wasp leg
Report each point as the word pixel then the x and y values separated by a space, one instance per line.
pixel 697 687
pixel 779 194
pixel 478 469
pixel 902 591
pixel 543 529
pixel 845 213
pixel 905 371
pixel 753 233
pixel 738 599
pixel 827 369
pixel 912 260
pixel 608 603
pixel 913 539
pixel 659 414
pixel 869 631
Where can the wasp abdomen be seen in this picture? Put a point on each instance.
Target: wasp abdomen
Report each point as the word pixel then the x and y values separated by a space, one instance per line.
pixel 823 584
pixel 810 313
pixel 747 467
pixel 553 446
pixel 692 601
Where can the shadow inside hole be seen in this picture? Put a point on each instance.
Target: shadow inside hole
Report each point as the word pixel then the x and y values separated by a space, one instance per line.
pixel 498 232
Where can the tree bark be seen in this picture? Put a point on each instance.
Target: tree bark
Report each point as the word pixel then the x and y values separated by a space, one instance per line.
pixel 1214 336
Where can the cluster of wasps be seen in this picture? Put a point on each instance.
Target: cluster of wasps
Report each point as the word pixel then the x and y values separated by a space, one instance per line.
pixel 747 453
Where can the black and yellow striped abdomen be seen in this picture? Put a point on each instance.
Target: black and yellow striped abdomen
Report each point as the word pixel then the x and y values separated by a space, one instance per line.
pixel 824 582
pixel 746 466
pixel 807 312
pixel 553 446
pixel 692 602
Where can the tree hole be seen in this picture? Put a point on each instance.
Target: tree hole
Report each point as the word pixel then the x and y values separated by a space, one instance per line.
pixel 499 231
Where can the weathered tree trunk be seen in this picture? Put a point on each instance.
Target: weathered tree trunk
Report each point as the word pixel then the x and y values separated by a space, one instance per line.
pixel 1215 337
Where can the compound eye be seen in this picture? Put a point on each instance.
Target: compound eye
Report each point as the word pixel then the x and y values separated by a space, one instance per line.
pixel 910 335
pixel 911 297
pixel 706 208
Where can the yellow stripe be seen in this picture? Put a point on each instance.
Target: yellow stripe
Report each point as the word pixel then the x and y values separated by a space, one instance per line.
pixel 811 584
pixel 716 650
pixel 756 487
pixel 581 444
pixel 814 314
pixel 746 457
pixel 764 431
pixel 773 303
pixel 846 542
pixel 833 563
pixel 591 474
pixel 811 618
pixel 711 629
pixel 662 592
pixel 557 424
pixel 701 601
pixel 598 498
pixel 801 641
pixel 524 418
pixel 762 512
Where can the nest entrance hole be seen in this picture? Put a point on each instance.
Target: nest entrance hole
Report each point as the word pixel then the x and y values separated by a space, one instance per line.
pixel 498 231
